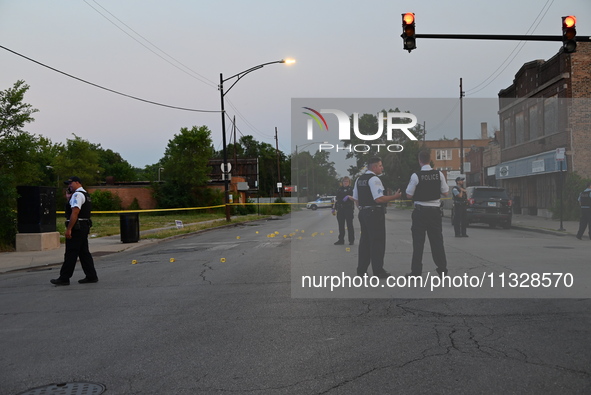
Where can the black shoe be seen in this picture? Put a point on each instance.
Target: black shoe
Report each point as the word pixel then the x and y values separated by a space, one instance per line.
pixel 383 275
pixel 579 237
pixel 59 281
pixel 458 235
pixel 464 235
pixel 339 243
pixel 407 275
pixel 87 280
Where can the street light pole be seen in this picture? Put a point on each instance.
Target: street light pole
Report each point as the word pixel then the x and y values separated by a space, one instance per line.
pixel 222 94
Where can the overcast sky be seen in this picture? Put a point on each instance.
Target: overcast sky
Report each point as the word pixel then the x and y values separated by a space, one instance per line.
pixel 172 52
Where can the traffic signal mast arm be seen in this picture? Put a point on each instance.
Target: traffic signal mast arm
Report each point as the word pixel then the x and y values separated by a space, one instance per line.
pixel 498 37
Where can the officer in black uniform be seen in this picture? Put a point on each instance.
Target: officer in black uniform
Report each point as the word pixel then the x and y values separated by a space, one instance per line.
pixel 344 206
pixel 585 220
pixel 369 194
pixel 460 208
pixel 78 226
pixel 425 188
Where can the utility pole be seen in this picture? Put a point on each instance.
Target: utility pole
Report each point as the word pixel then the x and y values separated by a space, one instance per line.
pixel 461 129
pixel 278 167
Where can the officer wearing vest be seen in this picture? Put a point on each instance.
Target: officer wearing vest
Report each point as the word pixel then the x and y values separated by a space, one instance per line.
pixel 460 208
pixel 425 188
pixel 369 195
pixel 78 225
pixel 345 210
pixel 585 220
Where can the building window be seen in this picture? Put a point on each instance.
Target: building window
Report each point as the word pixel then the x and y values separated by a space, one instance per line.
pixel 507 132
pixel 551 115
pixel 534 122
pixel 519 128
pixel 443 154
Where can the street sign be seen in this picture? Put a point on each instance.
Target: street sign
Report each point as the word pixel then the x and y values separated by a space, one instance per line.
pixel 223 167
pixel 560 154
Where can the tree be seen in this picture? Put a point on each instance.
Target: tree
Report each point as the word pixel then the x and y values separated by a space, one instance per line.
pixel 16 146
pixel 80 158
pixel 115 166
pixel 186 170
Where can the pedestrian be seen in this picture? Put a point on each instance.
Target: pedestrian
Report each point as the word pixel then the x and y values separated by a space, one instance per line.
pixel 425 188
pixel 78 209
pixel 369 194
pixel 460 219
pixel 585 220
pixel 344 206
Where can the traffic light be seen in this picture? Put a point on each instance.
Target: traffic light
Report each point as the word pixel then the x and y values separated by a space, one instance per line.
pixel 408 31
pixel 569 33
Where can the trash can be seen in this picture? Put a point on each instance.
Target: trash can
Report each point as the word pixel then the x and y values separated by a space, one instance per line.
pixel 130 227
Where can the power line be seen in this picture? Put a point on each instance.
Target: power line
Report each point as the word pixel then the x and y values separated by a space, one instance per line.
pixel 107 89
pixel 207 81
pixel 522 44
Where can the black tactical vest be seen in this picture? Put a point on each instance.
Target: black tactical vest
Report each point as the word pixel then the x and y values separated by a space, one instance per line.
pixel 429 187
pixel 84 211
pixel 364 191
pixel 459 200
pixel 585 199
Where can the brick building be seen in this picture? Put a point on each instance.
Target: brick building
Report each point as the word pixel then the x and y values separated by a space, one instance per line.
pixel 546 108
pixel 445 154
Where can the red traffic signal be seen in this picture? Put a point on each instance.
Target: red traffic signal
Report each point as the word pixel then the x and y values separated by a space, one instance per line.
pixel 409 41
pixel 569 33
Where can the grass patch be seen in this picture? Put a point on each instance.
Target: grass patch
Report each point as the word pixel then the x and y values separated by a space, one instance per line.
pixel 109 224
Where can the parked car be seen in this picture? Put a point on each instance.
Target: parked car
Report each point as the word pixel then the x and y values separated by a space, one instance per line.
pixel 321 202
pixel 488 205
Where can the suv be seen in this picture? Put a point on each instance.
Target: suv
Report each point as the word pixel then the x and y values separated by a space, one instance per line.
pixel 321 202
pixel 489 205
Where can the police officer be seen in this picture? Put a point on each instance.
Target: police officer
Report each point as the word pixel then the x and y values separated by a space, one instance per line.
pixel 460 208
pixel 425 188
pixel 78 226
pixel 369 194
pixel 585 220
pixel 344 206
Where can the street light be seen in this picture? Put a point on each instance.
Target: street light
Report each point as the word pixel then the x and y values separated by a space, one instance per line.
pixel 222 94
pixel 298 165
pixel 159 170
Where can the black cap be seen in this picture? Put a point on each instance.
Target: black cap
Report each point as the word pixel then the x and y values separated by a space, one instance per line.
pixel 73 179
pixel 459 179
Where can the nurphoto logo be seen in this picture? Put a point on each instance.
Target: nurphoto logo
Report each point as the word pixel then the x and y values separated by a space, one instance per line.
pixel 391 119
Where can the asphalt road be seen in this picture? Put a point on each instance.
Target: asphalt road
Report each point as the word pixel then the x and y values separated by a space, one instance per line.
pixel 229 315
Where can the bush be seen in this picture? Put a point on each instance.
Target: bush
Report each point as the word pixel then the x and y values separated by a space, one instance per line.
pixel 8 226
pixel 105 201
pixel 135 205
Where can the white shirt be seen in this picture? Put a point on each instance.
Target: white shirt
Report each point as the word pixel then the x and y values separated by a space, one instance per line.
pixel 375 185
pixel 78 198
pixel 414 181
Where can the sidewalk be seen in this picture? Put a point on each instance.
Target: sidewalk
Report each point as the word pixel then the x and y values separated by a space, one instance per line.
pixel 99 247
pixel 11 261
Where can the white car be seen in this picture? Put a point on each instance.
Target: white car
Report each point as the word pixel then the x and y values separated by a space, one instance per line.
pixel 321 202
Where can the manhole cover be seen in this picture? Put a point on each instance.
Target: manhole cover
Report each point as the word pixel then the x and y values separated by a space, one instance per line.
pixel 67 389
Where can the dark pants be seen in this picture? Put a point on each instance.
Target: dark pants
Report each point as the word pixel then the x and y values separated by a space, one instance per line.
pixel 76 247
pixel 345 216
pixel 584 222
pixel 460 219
pixel 372 242
pixel 427 221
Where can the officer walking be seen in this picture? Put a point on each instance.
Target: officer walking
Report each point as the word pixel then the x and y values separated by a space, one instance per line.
pixel 344 206
pixel 369 194
pixel 585 220
pixel 425 188
pixel 78 226
pixel 460 208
